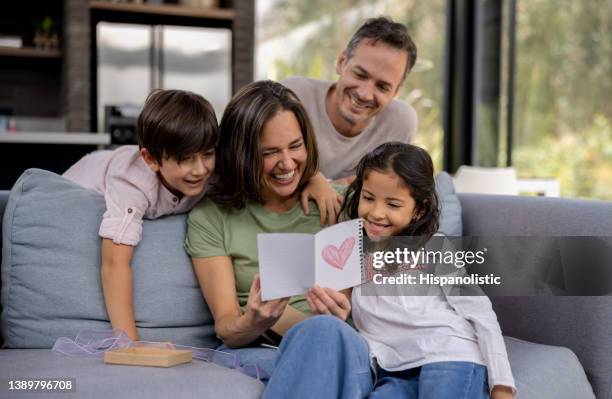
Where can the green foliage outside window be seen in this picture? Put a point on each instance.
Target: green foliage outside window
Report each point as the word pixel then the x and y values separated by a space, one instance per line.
pixel 563 106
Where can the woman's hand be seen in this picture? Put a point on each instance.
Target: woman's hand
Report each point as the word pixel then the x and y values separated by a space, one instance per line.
pixel 261 315
pixel 328 301
pixel 501 392
pixel 327 199
pixel 218 284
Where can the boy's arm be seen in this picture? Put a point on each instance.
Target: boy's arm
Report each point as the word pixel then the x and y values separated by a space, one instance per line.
pixel 116 274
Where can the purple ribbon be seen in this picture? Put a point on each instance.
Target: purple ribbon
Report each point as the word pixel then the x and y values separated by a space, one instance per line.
pixel 93 344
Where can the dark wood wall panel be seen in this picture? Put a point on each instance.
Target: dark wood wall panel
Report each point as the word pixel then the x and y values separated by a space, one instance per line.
pixel 31 87
pixel 243 43
pixel 77 59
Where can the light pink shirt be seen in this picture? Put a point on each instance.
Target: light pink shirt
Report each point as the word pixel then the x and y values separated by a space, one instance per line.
pixel 132 192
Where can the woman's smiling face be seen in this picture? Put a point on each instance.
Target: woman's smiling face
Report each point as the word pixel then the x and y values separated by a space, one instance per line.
pixel 385 204
pixel 284 157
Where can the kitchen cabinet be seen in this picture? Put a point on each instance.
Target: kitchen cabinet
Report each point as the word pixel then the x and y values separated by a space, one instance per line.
pixel 61 82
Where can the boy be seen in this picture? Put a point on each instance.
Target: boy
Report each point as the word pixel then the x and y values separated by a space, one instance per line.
pixel 165 174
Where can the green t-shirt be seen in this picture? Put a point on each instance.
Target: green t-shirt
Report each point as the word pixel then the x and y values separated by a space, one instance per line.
pixel 214 230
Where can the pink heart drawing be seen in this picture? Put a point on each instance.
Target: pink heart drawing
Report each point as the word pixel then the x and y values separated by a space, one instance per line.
pixel 337 257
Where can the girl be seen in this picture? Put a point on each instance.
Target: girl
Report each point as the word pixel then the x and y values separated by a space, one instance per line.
pixel 428 346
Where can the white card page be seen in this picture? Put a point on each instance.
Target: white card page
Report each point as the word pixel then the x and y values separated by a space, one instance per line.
pixel 338 255
pixel 286 264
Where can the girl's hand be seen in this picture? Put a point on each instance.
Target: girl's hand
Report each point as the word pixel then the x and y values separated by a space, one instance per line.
pixel 501 392
pixel 328 301
pixel 261 315
pixel 327 199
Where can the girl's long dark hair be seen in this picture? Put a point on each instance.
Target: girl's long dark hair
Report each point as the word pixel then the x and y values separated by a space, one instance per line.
pixel 414 167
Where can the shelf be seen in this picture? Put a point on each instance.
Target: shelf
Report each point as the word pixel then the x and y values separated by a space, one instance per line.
pixel 29 52
pixel 164 9
pixel 56 138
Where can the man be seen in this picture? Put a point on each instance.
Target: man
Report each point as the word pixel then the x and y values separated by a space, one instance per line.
pixel 359 112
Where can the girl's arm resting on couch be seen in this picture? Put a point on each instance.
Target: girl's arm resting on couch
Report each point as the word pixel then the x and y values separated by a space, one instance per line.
pixel 218 285
pixel 479 312
pixel 116 275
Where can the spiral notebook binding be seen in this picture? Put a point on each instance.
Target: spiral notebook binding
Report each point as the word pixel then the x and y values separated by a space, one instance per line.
pixel 361 253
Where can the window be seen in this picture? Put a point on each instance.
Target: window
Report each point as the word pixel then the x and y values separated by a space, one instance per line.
pixel 562 119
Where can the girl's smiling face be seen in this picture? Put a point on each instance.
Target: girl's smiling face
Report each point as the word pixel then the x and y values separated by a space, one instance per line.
pixel 385 204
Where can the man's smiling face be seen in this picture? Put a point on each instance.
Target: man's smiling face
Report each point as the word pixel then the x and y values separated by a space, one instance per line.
pixel 368 81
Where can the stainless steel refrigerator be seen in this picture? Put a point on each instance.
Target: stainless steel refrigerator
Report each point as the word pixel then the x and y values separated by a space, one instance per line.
pixel 134 59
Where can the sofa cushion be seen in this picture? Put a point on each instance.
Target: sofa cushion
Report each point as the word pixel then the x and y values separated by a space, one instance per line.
pixel 95 379
pixel 540 371
pixel 51 270
pixel 543 371
pixel 450 207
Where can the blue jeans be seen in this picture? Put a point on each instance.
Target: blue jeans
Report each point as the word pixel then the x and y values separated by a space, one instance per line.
pixel 443 380
pixel 321 357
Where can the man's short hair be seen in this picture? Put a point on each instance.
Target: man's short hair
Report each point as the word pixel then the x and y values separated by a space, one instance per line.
pixel 175 124
pixel 383 29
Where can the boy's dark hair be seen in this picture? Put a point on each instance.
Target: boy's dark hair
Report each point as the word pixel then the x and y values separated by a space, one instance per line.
pixel 415 170
pixel 239 160
pixel 383 29
pixel 175 124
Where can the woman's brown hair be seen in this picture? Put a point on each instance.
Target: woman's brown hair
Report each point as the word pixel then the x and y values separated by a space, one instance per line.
pixel 239 158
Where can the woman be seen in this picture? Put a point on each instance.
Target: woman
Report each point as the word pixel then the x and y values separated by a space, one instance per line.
pixel 266 155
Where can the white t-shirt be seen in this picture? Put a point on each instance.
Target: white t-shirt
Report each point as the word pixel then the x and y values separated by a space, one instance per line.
pixel 408 331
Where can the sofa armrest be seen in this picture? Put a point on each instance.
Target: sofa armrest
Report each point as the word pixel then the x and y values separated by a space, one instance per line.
pixel 4 196
pixel 580 323
pixel 505 215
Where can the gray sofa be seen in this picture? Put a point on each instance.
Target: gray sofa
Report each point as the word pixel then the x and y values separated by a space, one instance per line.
pixel 50 288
